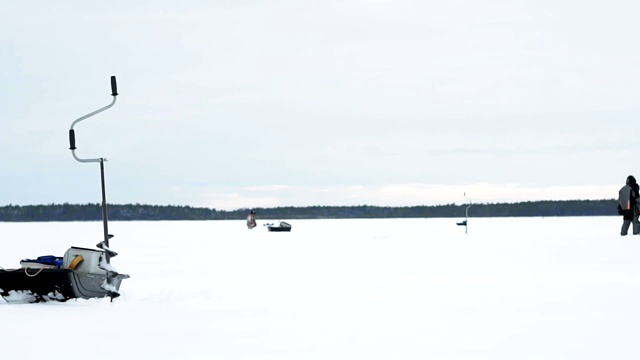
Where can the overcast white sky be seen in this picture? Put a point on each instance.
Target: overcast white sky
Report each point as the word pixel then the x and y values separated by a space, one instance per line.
pixel 240 104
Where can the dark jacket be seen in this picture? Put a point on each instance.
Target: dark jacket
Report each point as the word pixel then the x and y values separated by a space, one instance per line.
pixel 628 198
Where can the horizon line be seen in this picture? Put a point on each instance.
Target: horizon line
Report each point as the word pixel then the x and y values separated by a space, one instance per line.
pixel 309 206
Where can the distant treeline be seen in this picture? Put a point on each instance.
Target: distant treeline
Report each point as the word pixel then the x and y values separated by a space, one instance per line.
pixel 130 212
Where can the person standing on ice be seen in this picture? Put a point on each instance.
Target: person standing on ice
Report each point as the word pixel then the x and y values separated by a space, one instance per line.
pixel 628 206
pixel 251 219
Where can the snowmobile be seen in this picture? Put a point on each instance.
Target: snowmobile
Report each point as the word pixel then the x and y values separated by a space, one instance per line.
pixel 81 272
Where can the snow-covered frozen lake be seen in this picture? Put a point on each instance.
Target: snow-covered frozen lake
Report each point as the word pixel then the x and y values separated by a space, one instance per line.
pixel 512 288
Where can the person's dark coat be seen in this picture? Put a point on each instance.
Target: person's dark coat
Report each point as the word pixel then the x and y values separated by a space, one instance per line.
pixel 628 198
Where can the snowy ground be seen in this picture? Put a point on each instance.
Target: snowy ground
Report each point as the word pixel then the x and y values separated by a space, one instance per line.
pixel 512 288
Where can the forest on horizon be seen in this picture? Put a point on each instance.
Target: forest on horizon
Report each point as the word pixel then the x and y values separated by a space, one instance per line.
pixel 133 212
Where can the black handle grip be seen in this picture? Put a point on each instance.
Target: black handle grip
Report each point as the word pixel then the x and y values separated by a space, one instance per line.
pixel 72 140
pixel 114 86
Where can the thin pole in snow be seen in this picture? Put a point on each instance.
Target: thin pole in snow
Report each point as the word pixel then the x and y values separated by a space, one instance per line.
pixel 466 213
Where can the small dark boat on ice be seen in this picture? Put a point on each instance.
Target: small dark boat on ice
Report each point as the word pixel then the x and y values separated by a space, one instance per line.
pixel 81 272
pixel 282 226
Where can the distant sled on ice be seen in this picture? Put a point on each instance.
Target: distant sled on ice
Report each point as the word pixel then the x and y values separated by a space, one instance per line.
pixel 282 226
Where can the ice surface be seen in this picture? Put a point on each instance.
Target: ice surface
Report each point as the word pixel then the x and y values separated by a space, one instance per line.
pixel 512 288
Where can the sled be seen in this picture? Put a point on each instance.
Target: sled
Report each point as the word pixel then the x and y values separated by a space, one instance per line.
pixel 81 273
pixel 282 226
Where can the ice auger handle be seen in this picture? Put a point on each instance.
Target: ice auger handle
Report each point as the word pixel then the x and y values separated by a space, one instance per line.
pixel 72 135
pixel 72 139
pixel 114 86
